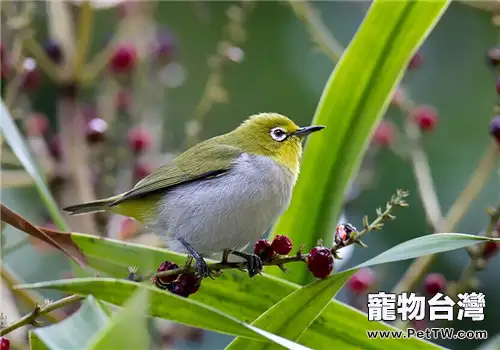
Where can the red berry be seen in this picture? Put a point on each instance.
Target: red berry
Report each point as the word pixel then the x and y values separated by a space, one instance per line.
pixel 416 61
pixel 37 124
pixel 320 262
pixel 123 59
pixel 123 100
pixel 361 281
pixel 282 244
pixel 343 234
pixel 31 79
pixel 96 130
pixel 263 249
pixel 384 134
pixel 4 343
pixel 139 139
pixel 494 56
pixel 495 129
pixel 187 284
pixel 426 117
pixel 163 282
pixel 141 170
pixel 434 283
pixel 490 249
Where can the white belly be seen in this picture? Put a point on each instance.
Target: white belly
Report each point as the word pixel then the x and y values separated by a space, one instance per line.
pixel 229 211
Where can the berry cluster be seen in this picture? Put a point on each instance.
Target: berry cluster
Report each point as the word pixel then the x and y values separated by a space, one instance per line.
pixel 493 56
pixel 424 116
pixel 266 250
pixel 183 285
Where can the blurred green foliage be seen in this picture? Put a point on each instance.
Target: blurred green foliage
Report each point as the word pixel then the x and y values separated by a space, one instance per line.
pixel 282 72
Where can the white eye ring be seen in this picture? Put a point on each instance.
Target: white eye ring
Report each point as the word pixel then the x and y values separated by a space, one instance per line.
pixel 278 134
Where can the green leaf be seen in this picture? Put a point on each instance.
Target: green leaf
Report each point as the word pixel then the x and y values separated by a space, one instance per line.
pixel 74 332
pixel 294 314
pixel 163 304
pixel 128 328
pixel 291 316
pixel 36 343
pixel 16 142
pixel 426 245
pixel 353 101
pixel 234 293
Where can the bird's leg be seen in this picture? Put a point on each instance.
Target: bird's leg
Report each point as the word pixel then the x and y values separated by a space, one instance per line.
pixel 201 265
pixel 254 263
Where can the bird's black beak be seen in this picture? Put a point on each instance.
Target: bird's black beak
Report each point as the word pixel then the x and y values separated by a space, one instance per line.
pixel 306 130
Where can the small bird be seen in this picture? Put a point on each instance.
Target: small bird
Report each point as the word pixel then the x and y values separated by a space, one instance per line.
pixel 219 195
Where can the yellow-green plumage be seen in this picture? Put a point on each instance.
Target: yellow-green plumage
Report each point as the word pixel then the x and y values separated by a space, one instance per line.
pixel 251 168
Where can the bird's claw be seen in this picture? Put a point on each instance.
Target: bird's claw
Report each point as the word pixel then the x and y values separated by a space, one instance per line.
pixel 254 265
pixel 202 268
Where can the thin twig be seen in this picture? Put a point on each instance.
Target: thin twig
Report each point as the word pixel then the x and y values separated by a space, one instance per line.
pixel 30 299
pixel 84 38
pixel 476 182
pixel 319 32
pixel 31 318
pixel 213 91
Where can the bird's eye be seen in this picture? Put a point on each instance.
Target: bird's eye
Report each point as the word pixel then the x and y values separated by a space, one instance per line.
pixel 278 134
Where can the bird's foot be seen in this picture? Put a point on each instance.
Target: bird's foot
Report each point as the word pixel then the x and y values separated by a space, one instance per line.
pixel 254 263
pixel 201 265
pixel 202 268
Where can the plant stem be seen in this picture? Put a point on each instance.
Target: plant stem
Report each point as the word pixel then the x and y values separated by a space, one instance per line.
pixel 38 311
pixel 423 177
pixel 29 298
pixel 476 182
pixel 41 58
pixel 319 32
pixel 84 38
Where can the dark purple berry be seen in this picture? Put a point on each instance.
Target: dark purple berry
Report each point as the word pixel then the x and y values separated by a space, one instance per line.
pixel 343 234
pixel 164 281
pixel 495 128
pixel 494 56
pixel 282 244
pixel 434 283
pixel 187 284
pixel 320 262
pixel 96 130
pixel 361 281
pixel 54 51
pixel 263 249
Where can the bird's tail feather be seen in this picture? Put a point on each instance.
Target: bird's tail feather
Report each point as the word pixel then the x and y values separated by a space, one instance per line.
pixel 91 207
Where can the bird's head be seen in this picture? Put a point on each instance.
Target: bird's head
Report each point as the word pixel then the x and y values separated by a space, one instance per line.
pixel 275 136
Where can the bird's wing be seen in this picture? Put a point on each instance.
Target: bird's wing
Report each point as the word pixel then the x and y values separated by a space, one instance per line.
pixel 201 162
